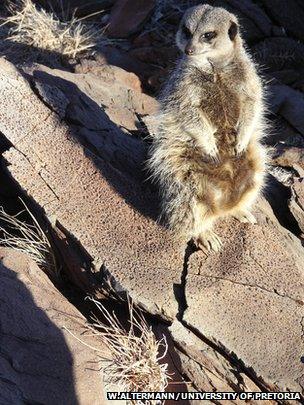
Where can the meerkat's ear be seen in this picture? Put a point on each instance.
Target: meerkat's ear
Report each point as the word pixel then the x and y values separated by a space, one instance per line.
pixel 233 30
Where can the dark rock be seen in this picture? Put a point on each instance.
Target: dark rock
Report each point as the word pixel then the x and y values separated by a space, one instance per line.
pixel 255 23
pixel 288 103
pixel 160 56
pixel 280 54
pixel 281 132
pixel 79 7
pixel 289 15
pixel 128 16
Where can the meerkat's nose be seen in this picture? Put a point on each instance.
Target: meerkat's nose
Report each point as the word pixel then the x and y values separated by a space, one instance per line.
pixel 189 50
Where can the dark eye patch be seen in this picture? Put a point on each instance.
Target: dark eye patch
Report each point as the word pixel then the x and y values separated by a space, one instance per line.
pixel 208 35
pixel 187 33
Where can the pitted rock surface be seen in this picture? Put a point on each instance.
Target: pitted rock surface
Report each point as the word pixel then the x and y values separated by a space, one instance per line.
pixel 90 198
pixel 249 299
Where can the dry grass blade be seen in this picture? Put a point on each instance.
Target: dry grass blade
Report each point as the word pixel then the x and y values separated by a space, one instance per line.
pixel 136 354
pixel 27 238
pixel 43 30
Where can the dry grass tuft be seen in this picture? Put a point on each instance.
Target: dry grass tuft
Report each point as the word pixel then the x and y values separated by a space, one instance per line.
pixel 37 28
pixel 134 363
pixel 26 238
pixel 282 175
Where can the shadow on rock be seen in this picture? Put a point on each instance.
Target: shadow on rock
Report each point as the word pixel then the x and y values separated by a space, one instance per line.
pixel 103 138
pixel 36 364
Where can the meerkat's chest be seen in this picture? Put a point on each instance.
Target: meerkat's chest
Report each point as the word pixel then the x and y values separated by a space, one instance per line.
pixel 222 102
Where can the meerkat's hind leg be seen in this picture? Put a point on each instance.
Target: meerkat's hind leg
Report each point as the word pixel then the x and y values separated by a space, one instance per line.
pixel 204 237
pixel 245 216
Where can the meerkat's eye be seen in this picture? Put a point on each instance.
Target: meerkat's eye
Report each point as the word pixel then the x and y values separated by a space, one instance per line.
pixel 209 35
pixel 187 33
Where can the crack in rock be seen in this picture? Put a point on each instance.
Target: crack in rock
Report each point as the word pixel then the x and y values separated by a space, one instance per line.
pixel 37 172
pixel 274 291
pixel 180 289
pixel 232 358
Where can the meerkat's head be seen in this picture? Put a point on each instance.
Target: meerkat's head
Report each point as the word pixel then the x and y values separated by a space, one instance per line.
pixel 208 33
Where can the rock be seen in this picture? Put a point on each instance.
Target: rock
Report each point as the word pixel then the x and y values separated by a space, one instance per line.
pixel 281 58
pixel 161 56
pixel 243 299
pixel 41 362
pixel 289 15
pixel 254 21
pixel 128 16
pixel 117 57
pixel 248 296
pixel 209 370
pixel 79 7
pixel 290 77
pixel 89 197
pixel 296 203
pixel 117 74
pixel 118 93
pixel 282 133
pixel 289 157
pixel 289 103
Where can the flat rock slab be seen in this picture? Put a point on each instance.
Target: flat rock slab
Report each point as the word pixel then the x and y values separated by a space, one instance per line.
pixel 209 369
pixel 40 361
pixel 89 198
pixel 249 300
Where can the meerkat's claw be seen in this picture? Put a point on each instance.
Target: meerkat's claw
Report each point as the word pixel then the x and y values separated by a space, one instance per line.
pixel 208 241
pixel 245 217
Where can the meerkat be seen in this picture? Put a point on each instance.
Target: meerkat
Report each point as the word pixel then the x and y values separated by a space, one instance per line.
pixel 206 152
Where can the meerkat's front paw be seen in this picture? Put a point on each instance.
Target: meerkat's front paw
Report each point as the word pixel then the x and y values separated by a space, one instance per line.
pixel 240 147
pixel 243 138
pixel 211 150
pixel 208 241
pixel 245 217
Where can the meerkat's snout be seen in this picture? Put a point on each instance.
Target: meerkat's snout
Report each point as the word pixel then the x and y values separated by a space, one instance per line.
pixel 189 50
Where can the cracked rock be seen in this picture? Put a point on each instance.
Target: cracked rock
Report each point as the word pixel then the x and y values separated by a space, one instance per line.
pixel 210 370
pixel 249 300
pixel 296 203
